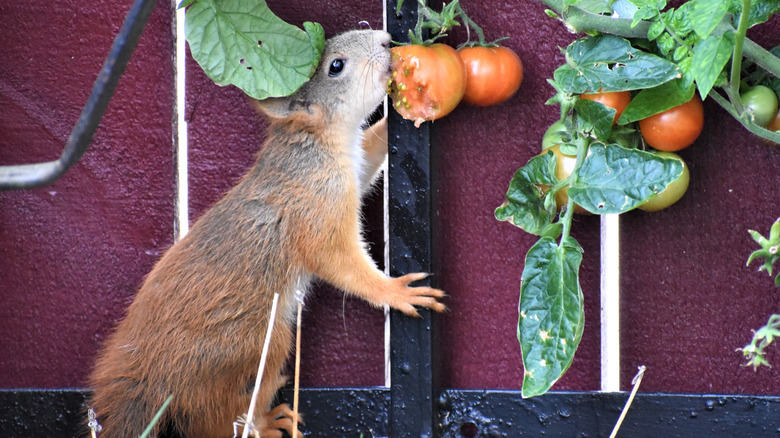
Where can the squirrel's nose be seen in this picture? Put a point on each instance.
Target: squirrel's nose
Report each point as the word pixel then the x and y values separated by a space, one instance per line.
pixel 384 40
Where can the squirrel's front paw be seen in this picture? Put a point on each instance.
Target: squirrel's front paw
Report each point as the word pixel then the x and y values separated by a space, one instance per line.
pixel 405 297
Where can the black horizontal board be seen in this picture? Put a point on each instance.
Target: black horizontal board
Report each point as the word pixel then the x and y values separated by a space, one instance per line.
pixel 578 414
pixel 349 412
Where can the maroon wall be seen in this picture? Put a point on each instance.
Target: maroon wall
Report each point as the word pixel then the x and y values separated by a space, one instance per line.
pixel 73 254
pixel 479 149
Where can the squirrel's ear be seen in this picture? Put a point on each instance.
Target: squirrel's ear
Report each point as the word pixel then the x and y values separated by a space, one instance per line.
pixel 283 107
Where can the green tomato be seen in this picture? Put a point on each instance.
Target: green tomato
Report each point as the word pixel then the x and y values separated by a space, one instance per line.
pixel 555 134
pixel 762 102
pixel 673 192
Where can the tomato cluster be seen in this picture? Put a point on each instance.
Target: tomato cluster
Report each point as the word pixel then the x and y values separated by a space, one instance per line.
pixel 428 82
pixel 668 131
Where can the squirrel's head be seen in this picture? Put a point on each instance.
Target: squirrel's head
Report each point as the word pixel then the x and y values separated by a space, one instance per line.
pixel 350 81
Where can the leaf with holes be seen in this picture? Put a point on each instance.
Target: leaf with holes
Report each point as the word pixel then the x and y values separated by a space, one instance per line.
pixel 609 63
pixel 525 205
pixel 614 179
pixel 244 44
pixel 552 315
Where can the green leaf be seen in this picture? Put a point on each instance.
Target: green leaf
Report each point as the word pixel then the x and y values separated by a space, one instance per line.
pixel 655 100
pixel 665 43
pixel 246 45
pixel 655 30
pixel 614 179
pixel 595 117
pixel 552 315
pixel 706 15
pixel 609 63
pixel 525 205
pixel 770 249
pixel 648 10
pixel 709 58
pixel 760 10
pixel 679 53
pixel 185 3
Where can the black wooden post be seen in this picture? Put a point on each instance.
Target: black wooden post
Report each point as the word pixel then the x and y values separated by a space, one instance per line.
pixel 412 340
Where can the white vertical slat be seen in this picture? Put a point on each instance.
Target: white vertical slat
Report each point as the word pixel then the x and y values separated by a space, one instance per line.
pixel 181 205
pixel 610 303
pixel 386 227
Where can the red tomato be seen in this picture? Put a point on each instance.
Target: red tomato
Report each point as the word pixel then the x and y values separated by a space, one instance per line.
pixel 618 100
pixel 493 74
pixel 676 128
pixel 427 82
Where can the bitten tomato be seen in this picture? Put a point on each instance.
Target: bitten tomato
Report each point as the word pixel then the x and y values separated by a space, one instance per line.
pixel 493 74
pixel 676 128
pixel 673 192
pixel 762 102
pixel 564 168
pixel 427 82
pixel 618 100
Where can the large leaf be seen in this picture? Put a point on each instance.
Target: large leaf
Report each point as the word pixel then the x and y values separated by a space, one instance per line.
pixel 610 63
pixel 709 58
pixel 552 315
pixel 525 204
pixel 655 100
pixel 614 179
pixel 243 43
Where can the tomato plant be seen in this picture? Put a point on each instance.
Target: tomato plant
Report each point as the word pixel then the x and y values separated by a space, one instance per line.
pixel 618 100
pixel 427 82
pixel 674 191
pixel 669 58
pixel 493 74
pixel 676 128
pixel 761 101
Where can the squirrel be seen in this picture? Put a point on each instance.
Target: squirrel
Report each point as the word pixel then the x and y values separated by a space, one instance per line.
pixel 196 327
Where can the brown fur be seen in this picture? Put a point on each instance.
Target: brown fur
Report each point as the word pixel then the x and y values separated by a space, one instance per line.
pixel 197 325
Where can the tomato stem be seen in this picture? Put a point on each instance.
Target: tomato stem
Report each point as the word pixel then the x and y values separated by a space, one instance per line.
pixel 736 59
pixel 470 24
pixel 582 151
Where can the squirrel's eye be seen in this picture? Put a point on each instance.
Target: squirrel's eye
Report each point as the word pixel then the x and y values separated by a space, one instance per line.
pixel 336 67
